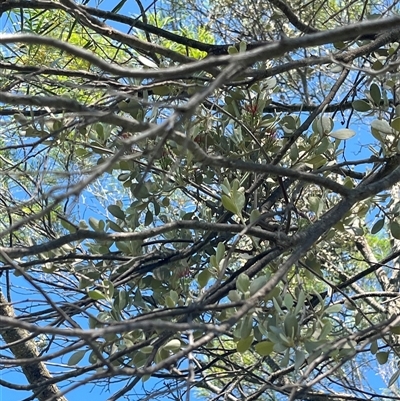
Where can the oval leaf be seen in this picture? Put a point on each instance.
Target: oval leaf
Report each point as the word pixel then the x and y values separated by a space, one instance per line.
pixel 342 134
pixel 396 124
pixel 361 105
pixel 243 282
pixel 76 357
pixel 382 126
pixel 116 212
pixel 382 357
pixel 229 204
pixel 395 229
pixel 375 93
pixel 264 348
pixel 377 226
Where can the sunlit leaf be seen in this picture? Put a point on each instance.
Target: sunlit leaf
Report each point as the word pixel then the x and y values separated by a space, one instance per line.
pixel 264 348
pixel 244 344
pixel 342 134
pixel 96 295
pixel 172 345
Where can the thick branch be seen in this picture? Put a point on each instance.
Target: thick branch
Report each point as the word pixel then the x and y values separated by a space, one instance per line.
pixel 17 339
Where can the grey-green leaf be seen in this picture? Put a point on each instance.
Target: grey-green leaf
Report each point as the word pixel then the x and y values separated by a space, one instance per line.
pixel 76 357
pixel 361 105
pixel 116 211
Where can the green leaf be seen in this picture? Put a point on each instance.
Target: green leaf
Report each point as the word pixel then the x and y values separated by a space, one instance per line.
pixel 76 357
pixel 99 128
pixel 116 211
pixel 257 283
pixel 395 124
pixel 118 6
pixel 361 105
pixel 299 359
pixel 244 344
pixel 139 359
pixel 162 90
pixel 382 357
pixel 375 93
pixel 326 329
pixel 294 152
pixel 395 330
pixel 333 309
pixel 264 348
pixel 203 278
pixel 109 288
pixel 285 359
pixel 232 50
pixel 317 161
pixel 114 226
pixel 300 302
pixel 148 349
pixel 172 345
pixel 149 218
pixel 378 226
pixel 242 46
pixel 96 295
pixel 239 199
pixel 68 226
pixel 246 327
pixel 254 216
pixel 323 146
pixel 394 378
pixel 243 282
pixel 220 252
pixel 374 347
pixel 161 355
pixel 234 296
pixel 140 191
pixel 291 325
pixel 229 205
pixel 288 301
pixel 395 228
pixel 122 299
pixel 169 302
